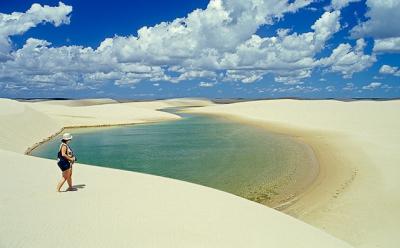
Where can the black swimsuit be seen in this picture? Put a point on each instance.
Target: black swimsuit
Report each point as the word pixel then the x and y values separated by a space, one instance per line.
pixel 62 162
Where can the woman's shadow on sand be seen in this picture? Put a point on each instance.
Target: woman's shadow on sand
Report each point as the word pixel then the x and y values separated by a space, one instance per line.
pixel 76 187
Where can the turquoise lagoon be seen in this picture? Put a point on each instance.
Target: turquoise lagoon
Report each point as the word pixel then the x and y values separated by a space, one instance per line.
pixel 244 160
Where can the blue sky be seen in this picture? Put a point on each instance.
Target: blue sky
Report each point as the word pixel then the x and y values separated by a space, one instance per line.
pixel 214 49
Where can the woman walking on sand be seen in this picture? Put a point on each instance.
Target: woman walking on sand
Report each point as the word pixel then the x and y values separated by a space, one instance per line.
pixel 65 160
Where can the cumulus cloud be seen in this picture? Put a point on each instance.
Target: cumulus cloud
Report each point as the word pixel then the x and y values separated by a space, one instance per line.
pixel 348 60
pixel 372 86
pixel 193 44
pixel 293 77
pixel 382 21
pixel 243 76
pixel 388 45
pixel 382 25
pixel 220 37
pixel 81 64
pixel 218 43
pixel 194 74
pixel 296 89
pixel 18 23
pixel 349 87
pixel 206 84
pixel 221 27
pixel 340 4
pixel 290 56
pixel 391 70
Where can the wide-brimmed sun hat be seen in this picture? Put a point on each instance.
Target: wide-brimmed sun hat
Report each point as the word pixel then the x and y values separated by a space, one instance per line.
pixel 67 136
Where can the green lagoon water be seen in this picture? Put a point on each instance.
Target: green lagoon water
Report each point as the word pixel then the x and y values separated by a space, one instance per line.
pixel 241 159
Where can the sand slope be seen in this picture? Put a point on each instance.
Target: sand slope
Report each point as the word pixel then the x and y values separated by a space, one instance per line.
pixel 116 208
pixel 356 196
pixel 22 126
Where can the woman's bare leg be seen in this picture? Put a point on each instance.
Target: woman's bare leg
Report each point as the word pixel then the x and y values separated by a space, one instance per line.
pixel 69 178
pixel 63 179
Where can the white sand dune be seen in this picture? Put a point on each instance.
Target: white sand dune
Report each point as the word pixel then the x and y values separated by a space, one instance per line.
pixel 357 195
pixel 115 208
pixel 171 103
pixel 86 113
pixel 22 126
pixel 81 102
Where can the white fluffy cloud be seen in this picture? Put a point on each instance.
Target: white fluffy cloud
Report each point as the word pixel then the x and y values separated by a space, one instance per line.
pixel 372 86
pixel 221 27
pixel 218 43
pixel 391 70
pixel 192 44
pixel 349 87
pixel 296 89
pixel 222 38
pixel 340 4
pixel 18 23
pixel 80 64
pixel 383 21
pixel 244 76
pixel 206 84
pixel 289 56
pixel 382 25
pixel 348 60
pixel 388 45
